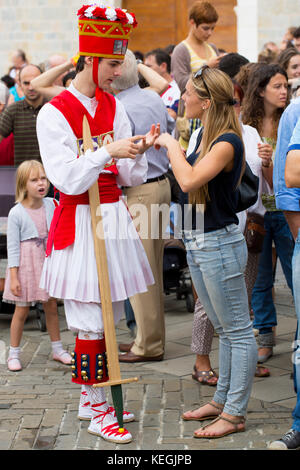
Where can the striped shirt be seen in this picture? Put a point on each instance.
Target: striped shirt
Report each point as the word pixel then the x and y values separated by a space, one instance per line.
pixel 196 61
pixel 20 119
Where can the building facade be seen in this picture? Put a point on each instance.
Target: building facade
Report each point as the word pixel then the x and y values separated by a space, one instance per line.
pixel 46 27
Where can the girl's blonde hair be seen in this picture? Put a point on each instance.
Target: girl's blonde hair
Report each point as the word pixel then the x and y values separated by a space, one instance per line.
pixel 221 118
pixel 22 177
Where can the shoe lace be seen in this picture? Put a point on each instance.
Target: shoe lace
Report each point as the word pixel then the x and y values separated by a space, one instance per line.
pixel 113 411
pixel 114 429
pixel 111 429
pixel 87 403
pixel 102 414
pixel 289 435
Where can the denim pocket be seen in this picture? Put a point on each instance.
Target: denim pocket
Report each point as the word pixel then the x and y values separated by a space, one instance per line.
pixel 241 254
pixel 207 243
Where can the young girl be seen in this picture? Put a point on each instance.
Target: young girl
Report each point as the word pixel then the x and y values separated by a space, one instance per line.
pixel 28 224
pixel 217 252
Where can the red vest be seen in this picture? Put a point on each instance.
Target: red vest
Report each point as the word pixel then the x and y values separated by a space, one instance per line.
pixel 62 230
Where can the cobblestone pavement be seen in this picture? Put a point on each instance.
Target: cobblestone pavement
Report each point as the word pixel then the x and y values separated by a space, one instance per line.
pixel 38 406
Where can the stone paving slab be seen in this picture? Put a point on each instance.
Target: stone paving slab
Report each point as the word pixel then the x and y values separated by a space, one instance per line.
pixel 38 406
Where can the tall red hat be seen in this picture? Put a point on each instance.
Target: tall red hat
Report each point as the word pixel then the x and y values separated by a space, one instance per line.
pixel 104 31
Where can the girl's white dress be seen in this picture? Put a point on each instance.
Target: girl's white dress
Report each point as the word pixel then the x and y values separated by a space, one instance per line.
pixel 32 256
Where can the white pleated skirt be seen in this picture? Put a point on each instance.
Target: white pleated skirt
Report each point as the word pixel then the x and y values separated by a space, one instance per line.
pixel 71 273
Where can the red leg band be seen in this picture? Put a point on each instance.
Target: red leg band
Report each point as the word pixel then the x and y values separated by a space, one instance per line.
pixel 89 365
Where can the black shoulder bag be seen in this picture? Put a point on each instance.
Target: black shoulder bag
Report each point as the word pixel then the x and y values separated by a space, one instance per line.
pixel 248 187
pixel 247 190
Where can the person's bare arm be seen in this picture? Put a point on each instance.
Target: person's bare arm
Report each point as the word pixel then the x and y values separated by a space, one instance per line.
pixel 292 169
pixel 15 285
pixel 157 82
pixel 44 82
pixel 190 177
pixel 265 152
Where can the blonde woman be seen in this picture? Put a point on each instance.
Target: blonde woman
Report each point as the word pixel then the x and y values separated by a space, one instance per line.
pixel 217 252
pixel 27 230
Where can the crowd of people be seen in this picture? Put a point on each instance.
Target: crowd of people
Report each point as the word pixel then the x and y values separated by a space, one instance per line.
pixel 182 123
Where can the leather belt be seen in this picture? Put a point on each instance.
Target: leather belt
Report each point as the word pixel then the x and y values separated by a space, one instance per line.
pixel 157 178
pixel 150 180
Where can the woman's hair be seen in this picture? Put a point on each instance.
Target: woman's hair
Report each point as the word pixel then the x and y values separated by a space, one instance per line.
pixel 238 89
pixel 253 111
pixel 22 177
pixel 285 56
pixel 203 12
pixel 221 117
pixel 266 56
pixel 243 76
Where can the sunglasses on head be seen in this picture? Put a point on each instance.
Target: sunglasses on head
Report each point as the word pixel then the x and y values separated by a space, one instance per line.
pixel 199 73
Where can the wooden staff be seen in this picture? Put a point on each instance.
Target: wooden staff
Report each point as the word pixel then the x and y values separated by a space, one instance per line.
pixel 113 364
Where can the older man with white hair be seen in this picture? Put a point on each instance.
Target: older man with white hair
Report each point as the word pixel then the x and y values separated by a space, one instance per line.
pixel 144 107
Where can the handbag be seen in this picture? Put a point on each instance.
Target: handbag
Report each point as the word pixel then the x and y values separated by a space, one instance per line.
pixel 254 232
pixel 247 190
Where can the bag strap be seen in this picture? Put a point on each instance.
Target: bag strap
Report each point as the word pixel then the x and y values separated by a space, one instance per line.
pixel 193 156
pixel 199 138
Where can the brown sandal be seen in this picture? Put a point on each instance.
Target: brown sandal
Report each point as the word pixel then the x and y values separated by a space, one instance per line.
pixel 231 421
pixel 203 376
pixel 261 371
pixel 203 418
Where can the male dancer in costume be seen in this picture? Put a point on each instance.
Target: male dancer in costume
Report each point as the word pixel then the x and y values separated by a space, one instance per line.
pixel 70 269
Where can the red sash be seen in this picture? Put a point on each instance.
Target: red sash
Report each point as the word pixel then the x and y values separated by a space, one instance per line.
pixel 62 229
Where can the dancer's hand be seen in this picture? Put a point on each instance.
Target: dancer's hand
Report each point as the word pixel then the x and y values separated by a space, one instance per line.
pixel 125 148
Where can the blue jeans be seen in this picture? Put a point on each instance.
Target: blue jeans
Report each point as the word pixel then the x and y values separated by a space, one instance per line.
pixel 217 261
pixel 262 303
pixel 296 355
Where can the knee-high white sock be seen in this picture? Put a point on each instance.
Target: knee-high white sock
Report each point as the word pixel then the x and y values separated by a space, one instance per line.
pixel 84 396
pixel 97 396
pixel 57 347
pixel 14 352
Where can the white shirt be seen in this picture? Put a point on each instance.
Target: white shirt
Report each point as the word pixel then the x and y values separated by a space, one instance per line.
pixel 58 147
pixel 71 273
pixel 171 95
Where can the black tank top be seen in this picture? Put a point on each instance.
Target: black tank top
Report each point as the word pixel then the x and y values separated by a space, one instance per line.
pixel 221 208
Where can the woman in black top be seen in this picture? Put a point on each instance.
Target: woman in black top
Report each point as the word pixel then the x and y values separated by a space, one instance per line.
pixel 216 249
